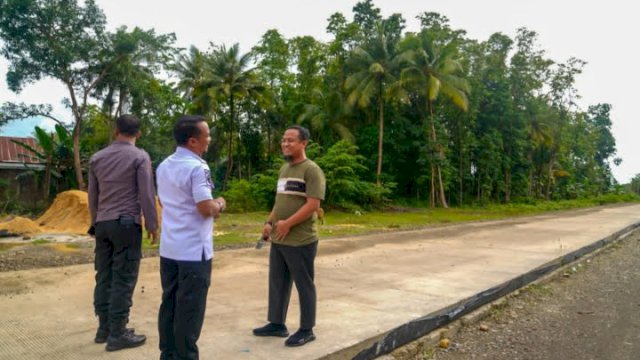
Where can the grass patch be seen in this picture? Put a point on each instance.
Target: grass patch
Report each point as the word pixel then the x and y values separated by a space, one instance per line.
pixel 40 242
pixel 65 248
pixel 497 310
pixel 239 228
pixel 539 290
pixel 428 354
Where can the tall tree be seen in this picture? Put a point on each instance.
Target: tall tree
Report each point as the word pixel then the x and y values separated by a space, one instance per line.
pixel 273 57
pixel 528 70
pixel 496 111
pixel 58 39
pixel 128 86
pixel 190 69
pixel 62 40
pixel 366 15
pixel 434 70
pixel 230 79
pixel 374 70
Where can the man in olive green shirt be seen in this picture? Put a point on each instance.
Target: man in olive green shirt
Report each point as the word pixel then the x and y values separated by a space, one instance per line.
pixel 291 226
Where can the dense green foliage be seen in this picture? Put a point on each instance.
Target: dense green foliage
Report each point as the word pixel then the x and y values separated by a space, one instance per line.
pixel 430 116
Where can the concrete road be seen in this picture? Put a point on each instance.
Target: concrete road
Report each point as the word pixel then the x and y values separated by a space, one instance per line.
pixel 367 286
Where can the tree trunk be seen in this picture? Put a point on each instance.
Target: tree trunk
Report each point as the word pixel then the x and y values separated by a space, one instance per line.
pixel 547 191
pixel 230 150
pixel 460 186
pixel 269 144
pixel 460 167
pixel 531 168
pixel 443 199
pixel 380 134
pixel 509 153
pixel 478 192
pixel 432 193
pixel 77 114
pixel 538 180
pixel 47 179
pixel 441 196
pixel 507 191
pixel 76 155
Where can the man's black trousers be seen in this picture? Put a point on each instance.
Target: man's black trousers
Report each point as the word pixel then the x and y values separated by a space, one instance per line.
pixel 289 264
pixel 117 262
pixel 185 285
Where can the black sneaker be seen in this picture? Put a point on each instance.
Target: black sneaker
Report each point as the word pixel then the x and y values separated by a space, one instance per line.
pixel 272 329
pixel 128 339
pixel 300 338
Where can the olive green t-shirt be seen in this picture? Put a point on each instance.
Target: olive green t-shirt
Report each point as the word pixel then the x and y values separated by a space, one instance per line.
pixel 295 184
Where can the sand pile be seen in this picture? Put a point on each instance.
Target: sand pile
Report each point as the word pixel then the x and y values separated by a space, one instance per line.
pixel 21 226
pixel 69 213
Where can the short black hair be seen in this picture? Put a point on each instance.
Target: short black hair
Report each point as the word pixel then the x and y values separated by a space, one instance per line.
pixel 187 127
pixel 303 132
pixel 128 124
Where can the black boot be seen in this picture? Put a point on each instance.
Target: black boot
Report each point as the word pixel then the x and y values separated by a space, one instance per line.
pixel 103 329
pixel 121 338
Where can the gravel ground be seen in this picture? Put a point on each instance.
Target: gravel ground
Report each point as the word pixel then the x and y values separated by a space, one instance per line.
pixel 26 254
pixel 592 311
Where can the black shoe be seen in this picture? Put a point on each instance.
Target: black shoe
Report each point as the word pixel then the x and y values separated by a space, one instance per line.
pixel 272 329
pixel 128 339
pixel 300 338
pixel 103 334
pixel 166 356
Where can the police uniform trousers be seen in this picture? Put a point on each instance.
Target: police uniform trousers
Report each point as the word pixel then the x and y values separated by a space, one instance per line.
pixel 117 262
pixel 288 265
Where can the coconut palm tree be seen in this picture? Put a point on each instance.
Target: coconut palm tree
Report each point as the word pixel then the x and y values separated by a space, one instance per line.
pixel 229 80
pixel 374 67
pixel 190 70
pixel 433 70
pixel 329 112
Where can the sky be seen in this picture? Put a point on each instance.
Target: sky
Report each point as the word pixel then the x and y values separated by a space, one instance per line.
pixel 602 34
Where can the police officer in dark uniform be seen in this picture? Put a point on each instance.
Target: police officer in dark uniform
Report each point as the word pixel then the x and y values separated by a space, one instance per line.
pixel 120 186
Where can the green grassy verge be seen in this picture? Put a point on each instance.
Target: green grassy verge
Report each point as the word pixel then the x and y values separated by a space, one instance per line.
pixel 232 229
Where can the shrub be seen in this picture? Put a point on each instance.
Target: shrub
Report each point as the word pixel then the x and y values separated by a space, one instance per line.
pixel 344 171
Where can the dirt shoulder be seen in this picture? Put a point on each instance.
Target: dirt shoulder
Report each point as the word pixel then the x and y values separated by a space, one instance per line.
pixel 45 251
pixel 592 311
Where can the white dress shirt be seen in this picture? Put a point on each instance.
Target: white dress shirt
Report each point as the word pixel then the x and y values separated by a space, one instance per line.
pixel 184 180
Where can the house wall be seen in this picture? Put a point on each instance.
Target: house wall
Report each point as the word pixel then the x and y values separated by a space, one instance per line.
pixel 19 192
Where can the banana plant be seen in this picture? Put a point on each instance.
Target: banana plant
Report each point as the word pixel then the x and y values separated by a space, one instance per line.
pixel 55 151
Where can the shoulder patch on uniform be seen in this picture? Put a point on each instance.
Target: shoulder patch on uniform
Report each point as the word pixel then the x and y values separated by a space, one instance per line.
pixel 207 175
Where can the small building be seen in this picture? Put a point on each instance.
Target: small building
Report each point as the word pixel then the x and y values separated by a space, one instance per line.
pixel 20 172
